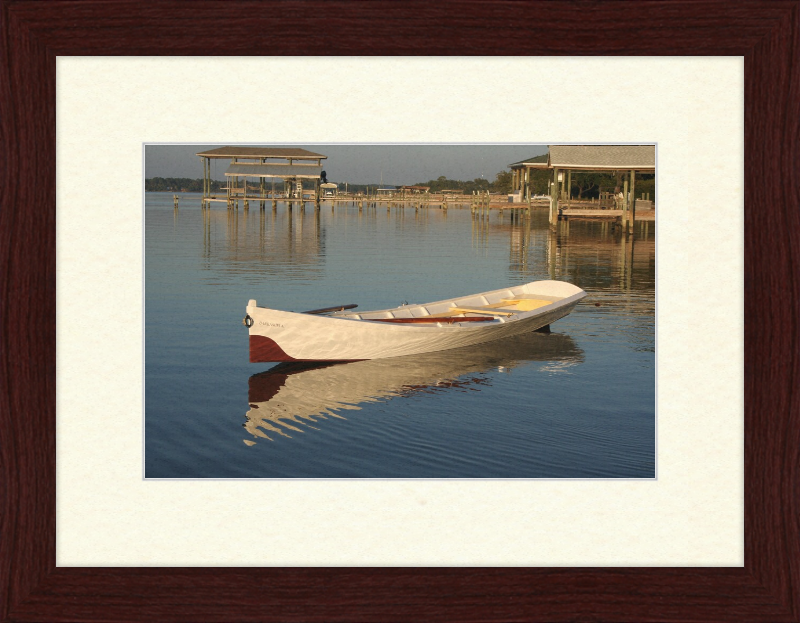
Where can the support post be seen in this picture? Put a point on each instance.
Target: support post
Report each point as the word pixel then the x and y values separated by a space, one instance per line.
pixel 568 189
pixel 234 183
pixel 633 201
pixel 261 189
pixel 625 212
pixel 554 199
pixel 527 193
pixel 205 183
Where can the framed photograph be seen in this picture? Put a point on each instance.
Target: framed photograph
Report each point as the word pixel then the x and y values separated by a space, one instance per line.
pixel 540 364
pixel 35 585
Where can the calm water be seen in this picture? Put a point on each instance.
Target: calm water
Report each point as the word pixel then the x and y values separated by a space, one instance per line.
pixel 577 403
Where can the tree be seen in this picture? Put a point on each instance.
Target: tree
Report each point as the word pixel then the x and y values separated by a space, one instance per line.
pixel 540 181
pixel 589 181
pixel 502 182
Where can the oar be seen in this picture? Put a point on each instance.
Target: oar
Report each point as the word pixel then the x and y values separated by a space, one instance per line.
pixel 433 319
pixel 325 310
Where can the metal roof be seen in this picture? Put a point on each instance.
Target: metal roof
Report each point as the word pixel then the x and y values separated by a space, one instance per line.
pixel 603 157
pixel 282 171
pixel 534 161
pixel 261 152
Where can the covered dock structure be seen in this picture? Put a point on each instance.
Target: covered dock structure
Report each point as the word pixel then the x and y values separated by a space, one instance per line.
pixel 521 174
pixel 330 189
pixel 622 161
pixel 290 165
pixel 625 159
pixel 414 189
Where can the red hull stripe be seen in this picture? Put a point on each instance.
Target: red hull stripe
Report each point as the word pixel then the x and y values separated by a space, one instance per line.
pixel 264 349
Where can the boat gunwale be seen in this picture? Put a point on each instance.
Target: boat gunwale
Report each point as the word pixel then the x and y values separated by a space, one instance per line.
pixel 454 301
pixel 433 326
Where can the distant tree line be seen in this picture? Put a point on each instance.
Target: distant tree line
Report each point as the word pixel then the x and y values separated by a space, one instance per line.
pixel 585 184
pixel 501 184
pixel 178 184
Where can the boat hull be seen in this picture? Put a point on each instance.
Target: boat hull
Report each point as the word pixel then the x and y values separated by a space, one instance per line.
pixel 277 336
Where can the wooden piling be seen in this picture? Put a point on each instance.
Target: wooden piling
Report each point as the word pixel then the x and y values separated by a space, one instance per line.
pixel 205 181
pixel 554 199
pixel 633 201
pixel 625 211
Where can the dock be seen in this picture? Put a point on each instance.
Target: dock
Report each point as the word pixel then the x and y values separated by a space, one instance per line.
pixel 556 171
pixel 575 214
pixel 479 205
pixel 278 176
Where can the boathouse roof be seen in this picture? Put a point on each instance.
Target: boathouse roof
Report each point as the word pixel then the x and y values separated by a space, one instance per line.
pixel 603 157
pixel 294 153
pixel 534 162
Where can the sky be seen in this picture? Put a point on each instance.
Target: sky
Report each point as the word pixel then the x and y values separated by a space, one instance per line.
pixel 396 165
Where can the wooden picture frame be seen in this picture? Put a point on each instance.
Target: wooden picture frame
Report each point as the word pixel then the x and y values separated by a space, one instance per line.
pixel 34 33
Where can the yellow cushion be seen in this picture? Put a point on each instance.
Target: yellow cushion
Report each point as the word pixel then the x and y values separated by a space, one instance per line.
pixel 525 304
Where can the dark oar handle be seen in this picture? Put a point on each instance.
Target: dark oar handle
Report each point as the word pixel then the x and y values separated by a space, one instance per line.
pixel 325 310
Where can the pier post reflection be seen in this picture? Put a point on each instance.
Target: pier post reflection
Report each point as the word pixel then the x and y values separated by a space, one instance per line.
pixel 258 243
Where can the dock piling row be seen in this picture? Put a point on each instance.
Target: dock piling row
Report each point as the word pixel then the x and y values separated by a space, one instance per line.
pixel 294 166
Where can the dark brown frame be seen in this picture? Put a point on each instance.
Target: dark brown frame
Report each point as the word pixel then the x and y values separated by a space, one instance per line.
pixel 765 33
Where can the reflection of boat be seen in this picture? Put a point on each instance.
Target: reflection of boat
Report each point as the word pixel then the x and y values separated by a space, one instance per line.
pixel 410 329
pixel 291 394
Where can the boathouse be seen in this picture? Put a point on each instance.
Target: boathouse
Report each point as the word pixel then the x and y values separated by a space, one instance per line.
pixel 414 189
pixel 521 174
pixel 330 189
pixel 620 159
pixel 568 158
pixel 562 160
pixel 290 166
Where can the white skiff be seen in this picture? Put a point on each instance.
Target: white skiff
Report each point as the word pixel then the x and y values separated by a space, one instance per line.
pixel 409 329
